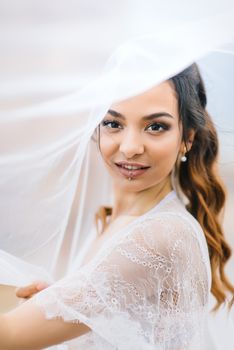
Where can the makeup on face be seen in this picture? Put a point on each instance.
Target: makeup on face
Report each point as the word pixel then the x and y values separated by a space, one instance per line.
pixel 140 138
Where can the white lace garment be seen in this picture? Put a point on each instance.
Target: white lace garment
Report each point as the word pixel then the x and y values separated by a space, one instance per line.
pixel 147 288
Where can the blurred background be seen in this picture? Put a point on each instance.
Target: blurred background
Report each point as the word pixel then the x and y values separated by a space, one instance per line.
pixel 49 48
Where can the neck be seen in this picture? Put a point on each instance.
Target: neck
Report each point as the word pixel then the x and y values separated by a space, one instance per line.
pixel 137 203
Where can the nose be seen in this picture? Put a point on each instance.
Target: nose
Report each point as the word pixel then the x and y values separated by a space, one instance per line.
pixel 131 144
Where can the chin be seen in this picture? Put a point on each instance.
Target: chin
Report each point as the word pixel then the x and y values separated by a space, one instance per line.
pixel 134 185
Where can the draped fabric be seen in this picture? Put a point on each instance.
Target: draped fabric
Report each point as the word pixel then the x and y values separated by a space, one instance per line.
pixel 50 170
pixel 147 288
pixel 53 181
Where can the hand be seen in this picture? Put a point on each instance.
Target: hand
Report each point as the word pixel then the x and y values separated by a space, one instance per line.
pixel 28 291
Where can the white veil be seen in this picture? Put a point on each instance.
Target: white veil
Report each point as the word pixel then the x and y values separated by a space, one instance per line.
pixel 52 180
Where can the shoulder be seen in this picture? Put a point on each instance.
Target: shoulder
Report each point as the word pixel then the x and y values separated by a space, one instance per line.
pixel 172 232
pixel 169 223
pixel 173 218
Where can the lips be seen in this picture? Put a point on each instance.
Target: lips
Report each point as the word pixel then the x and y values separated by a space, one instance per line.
pixel 130 166
pixel 131 170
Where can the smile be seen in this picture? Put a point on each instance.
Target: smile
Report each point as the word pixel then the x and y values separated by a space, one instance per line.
pixel 131 167
pixel 131 170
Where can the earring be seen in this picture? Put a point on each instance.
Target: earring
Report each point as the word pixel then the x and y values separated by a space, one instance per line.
pixel 183 159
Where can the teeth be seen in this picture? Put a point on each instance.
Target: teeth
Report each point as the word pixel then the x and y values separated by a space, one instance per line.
pixel 131 167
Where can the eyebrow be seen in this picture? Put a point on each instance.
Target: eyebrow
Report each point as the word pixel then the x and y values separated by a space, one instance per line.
pixel 147 117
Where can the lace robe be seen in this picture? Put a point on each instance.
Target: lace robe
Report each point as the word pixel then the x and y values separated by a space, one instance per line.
pixel 147 288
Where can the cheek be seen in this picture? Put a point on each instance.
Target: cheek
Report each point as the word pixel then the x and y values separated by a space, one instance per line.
pixel 165 151
pixel 108 145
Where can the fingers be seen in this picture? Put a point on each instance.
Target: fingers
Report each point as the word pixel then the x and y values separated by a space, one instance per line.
pixel 30 290
pixel 41 285
pixel 26 292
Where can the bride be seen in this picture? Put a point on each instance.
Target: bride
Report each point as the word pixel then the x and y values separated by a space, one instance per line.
pixel 145 280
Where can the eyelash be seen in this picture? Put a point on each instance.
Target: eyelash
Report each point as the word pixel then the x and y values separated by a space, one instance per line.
pixel 105 123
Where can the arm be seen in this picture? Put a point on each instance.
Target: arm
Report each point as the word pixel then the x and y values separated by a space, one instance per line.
pixel 26 328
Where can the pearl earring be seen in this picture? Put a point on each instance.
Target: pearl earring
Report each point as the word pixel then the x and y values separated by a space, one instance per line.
pixel 183 159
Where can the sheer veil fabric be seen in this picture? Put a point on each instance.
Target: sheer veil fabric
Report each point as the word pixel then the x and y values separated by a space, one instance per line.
pixel 53 181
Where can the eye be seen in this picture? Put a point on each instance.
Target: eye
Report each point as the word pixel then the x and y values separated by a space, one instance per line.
pixel 157 127
pixel 111 124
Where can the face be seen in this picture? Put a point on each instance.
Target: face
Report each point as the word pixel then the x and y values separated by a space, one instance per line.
pixel 140 138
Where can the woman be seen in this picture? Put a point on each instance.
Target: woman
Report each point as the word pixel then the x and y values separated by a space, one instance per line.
pixel 144 281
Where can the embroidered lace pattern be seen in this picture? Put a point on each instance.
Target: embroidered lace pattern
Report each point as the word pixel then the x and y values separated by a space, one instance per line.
pixel 147 288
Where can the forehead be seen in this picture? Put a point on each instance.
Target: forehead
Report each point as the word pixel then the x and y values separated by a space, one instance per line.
pixel 160 98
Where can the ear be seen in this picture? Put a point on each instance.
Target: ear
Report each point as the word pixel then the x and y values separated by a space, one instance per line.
pixel 191 135
pixel 186 146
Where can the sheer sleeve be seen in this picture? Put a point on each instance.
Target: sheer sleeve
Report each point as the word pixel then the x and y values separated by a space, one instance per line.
pixel 148 291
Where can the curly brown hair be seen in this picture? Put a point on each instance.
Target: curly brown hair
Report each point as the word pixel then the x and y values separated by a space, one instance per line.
pixel 198 177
